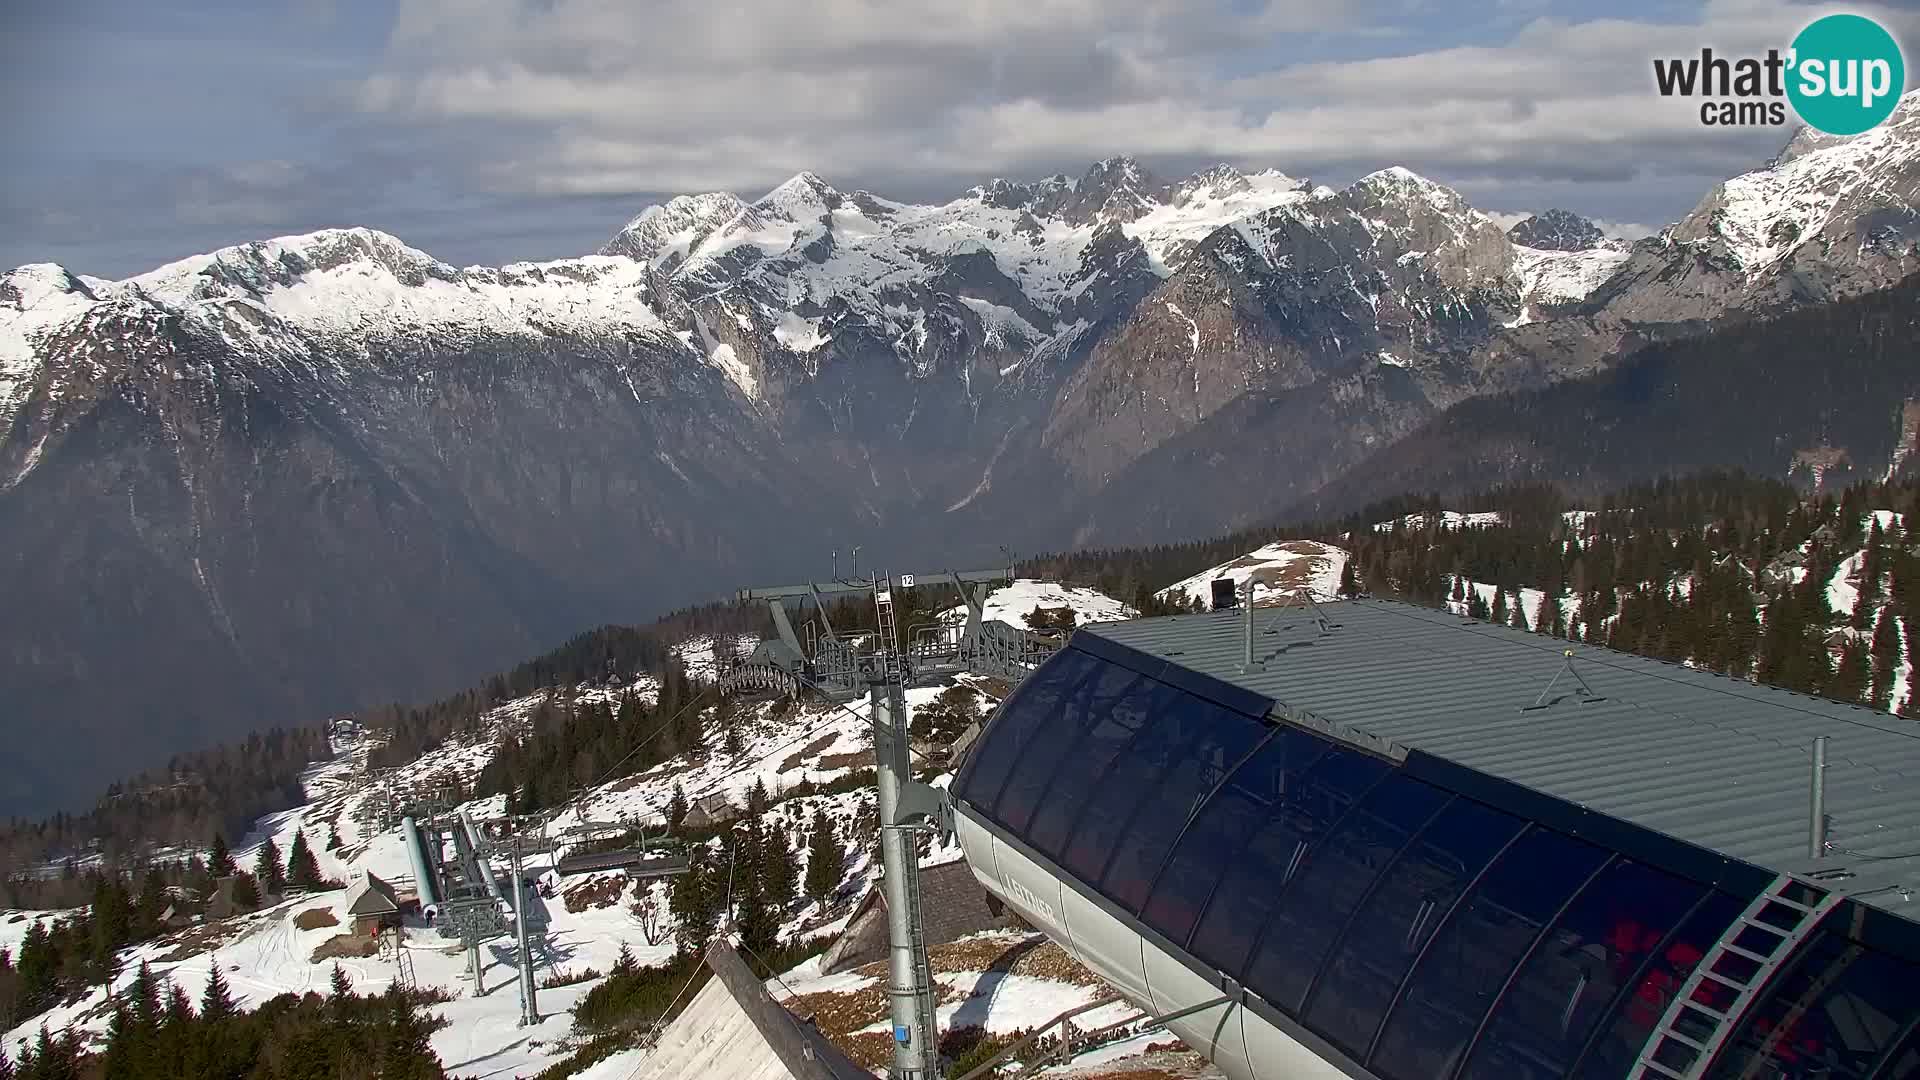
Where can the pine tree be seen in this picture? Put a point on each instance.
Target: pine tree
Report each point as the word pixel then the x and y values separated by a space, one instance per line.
pixel 267 872
pixel 333 838
pixel 303 869
pixel 246 893
pixel 6 1065
pixel 1886 659
pixel 179 1007
pixel 122 1058
pixel 782 868
pixel 624 964
pixel 145 993
pixel 39 967
pixel 826 859
pixel 676 809
pixel 1349 584
pixel 757 799
pixel 1519 611
pixel 152 901
pixel 1849 680
pixel 408 1051
pixel 695 899
pixel 216 1002
pixel 1498 613
pixel 339 986
pixel 219 859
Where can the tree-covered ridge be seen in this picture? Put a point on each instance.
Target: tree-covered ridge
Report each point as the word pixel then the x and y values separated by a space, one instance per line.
pixel 1694 568
pixel 158 1032
pixel 1729 574
pixel 223 789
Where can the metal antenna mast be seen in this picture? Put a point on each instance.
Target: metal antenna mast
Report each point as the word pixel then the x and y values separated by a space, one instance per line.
pixel 837 667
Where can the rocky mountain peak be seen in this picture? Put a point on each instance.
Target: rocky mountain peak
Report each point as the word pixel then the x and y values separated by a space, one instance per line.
pixel 1557 230
pixel 1117 189
pixel 1809 139
pixel 1042 197
pixel 31 285
pixel 665 233
pixel 805 194
pixel 252 269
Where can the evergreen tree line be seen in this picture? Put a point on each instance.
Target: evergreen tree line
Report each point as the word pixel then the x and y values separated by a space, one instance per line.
pixel 1722 529
pixel 157 1033
pixel 60 960
pixel 567 744
pixel 1725 573
pixel 750 876
pixel 225 788
pixel 606 656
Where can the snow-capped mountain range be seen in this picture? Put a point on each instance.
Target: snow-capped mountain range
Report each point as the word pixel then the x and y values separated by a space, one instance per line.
pixel 245 453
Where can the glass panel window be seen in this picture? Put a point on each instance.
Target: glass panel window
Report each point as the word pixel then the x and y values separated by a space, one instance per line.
pixel 1333 879
pixel 1179 761
pixel 1150 776
pixel 1083 705
pixel 1472 955
pixel 1032 706
pixel 1218 834
pixel 1654 986
pixel 1396 921
pixel 1252 884
pixel 1832 1016
pixel 1575 971
pixel 1117 710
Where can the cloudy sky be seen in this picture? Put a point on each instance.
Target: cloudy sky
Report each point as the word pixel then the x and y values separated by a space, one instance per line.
pixel 489 131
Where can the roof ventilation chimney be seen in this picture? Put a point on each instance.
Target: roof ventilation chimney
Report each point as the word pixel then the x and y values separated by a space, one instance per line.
pixel 1224 594
pixel 1246 630
pixel 1817 834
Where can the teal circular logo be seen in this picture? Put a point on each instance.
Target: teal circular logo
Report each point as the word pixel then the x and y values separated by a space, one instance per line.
pixel 1847 74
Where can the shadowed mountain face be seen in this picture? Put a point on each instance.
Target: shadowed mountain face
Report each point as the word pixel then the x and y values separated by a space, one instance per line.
pixel 311 474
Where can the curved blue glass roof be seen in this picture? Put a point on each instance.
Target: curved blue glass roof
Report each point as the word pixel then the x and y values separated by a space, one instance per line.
pixel 1423 927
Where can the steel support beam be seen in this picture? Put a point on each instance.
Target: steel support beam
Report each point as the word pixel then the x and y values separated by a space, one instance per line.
pixel 916 1050
pixel 830 588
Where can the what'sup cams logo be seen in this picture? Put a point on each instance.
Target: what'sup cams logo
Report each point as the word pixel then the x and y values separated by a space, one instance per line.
pixel 1843 74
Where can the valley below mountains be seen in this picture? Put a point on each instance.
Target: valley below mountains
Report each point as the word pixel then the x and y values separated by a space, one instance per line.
pixel 316 473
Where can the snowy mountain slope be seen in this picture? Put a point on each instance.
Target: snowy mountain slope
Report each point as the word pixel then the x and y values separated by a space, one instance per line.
pixel 1827 218
pixel 264 953
pixel 1549 278
pixel 1012 603
pixel 1307 296
pixel 1278 570
pixel 302 456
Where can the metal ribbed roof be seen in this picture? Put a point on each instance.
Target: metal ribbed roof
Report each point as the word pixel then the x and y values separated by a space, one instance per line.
pixel 1713 761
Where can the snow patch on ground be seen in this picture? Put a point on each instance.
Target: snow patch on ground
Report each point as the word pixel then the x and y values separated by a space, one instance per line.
pixel 1012 603
pixel 1444 519
pixel 1562 277
pixel 1005 328
pixel 1279 570
pixel 798 334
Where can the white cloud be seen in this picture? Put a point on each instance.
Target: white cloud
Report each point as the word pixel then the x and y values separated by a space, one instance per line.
pixel 598 96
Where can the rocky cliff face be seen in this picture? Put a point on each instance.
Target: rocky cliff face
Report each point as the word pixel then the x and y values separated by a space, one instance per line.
pixel 1557 230
pixel 319 471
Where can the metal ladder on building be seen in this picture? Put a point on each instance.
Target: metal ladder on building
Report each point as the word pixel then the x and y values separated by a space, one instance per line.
pixel 887 651
pixel 1764 935
pixel 403 972
pixel 887 668
pixel 923 1001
